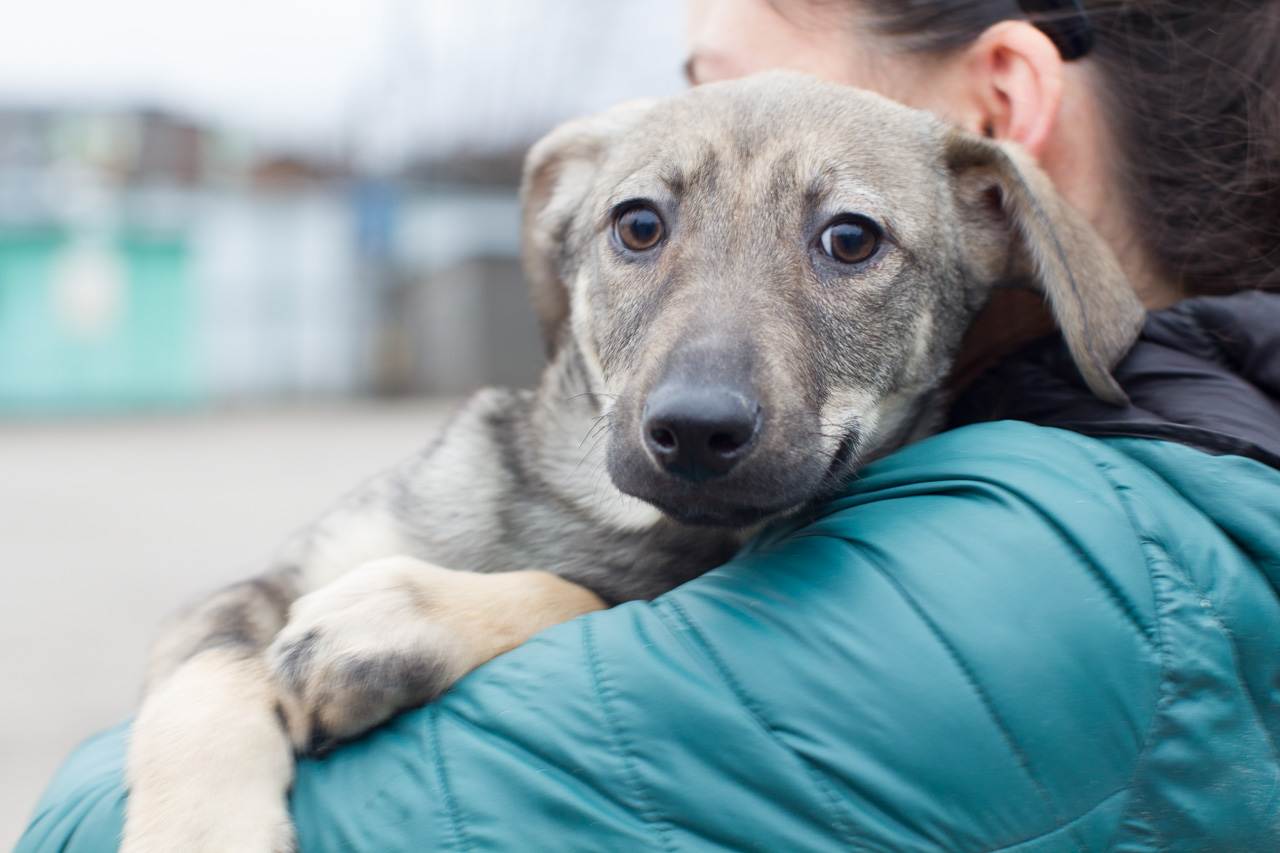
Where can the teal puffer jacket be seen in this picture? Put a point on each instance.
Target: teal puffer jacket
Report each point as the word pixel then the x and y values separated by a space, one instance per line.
pixel 1006 637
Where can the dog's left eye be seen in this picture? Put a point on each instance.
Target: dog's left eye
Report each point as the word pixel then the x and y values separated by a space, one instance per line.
pixel 639 228
pixel 851 239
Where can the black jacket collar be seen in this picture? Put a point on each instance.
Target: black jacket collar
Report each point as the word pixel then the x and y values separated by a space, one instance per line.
pixel 1204 373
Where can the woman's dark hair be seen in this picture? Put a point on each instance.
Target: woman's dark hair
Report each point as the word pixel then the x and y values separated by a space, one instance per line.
pixel 1192 91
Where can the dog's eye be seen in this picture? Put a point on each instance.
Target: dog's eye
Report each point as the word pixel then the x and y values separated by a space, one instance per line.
pixel 851 239
pixel 639 228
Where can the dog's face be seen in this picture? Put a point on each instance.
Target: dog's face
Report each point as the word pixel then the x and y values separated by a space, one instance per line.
pixel 767 279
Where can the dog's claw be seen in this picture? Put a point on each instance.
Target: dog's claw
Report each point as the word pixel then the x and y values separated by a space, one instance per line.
pixel 320 744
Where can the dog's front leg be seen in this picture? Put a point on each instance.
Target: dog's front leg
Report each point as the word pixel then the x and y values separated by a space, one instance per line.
pixel 397 633
pixel 209 762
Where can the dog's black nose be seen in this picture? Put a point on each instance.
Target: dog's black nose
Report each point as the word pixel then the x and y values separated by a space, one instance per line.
pixel 697 433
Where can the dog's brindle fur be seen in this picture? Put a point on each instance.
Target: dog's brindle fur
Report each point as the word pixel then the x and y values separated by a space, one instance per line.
pixel 847 362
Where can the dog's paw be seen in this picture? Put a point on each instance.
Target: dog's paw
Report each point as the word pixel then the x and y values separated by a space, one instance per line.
pixel 361 649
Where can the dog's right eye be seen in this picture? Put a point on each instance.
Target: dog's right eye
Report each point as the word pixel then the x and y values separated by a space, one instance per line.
pixel 639 228
pixel 851 239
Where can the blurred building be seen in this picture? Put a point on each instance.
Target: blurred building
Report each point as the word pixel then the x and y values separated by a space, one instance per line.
pixel 165 256
pixel 144 260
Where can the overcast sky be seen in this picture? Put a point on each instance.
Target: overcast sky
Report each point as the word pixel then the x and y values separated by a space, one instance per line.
pixel 392 74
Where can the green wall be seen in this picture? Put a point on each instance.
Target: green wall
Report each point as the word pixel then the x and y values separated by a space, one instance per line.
pixel 144 356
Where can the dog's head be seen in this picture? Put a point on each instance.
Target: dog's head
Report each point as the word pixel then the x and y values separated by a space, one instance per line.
pixel 766 277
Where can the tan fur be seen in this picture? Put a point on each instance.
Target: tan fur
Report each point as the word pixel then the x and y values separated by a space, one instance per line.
pixel 405 606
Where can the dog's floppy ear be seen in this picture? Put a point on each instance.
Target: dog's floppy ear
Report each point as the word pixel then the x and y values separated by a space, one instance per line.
pixel 559 172
pixel 1057 251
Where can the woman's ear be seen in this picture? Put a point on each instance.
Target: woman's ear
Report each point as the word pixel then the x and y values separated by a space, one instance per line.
pixel 559 173
pixel 1014 76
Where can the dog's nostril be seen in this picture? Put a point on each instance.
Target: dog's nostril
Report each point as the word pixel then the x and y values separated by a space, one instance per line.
pixel 663 438
pixel 724 443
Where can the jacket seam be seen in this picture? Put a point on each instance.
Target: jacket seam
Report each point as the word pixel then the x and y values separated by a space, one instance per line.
pixel 619 744
pixel 450 801
pixel 1207 603
pixel 985 701
pixel 1009 848
pixel 842 822
pixel 1164 695
pixel 1114 594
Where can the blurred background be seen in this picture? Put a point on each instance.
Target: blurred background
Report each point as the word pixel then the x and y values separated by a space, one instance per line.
pixel 249 253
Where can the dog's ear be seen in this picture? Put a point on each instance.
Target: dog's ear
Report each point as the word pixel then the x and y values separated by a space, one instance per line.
pixel 1051 246
pixel 559 173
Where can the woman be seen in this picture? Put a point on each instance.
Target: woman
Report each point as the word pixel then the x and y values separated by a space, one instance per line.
pixel 1006 637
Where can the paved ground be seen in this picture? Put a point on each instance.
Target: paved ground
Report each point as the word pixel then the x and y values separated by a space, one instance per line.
pixel 106 526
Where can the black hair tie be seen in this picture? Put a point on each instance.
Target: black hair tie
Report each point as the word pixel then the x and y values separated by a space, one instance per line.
pixel 1067 25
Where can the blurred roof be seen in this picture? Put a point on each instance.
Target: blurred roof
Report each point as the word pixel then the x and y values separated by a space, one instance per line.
pixel 388 81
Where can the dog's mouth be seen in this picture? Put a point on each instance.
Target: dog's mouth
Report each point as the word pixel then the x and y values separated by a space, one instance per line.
pixel 763 490
pixel 715 514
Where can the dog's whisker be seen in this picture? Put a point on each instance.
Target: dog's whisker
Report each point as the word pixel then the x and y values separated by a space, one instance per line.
pixel 601 425
pixel 595 428
pixel 602 394
pixel 594 446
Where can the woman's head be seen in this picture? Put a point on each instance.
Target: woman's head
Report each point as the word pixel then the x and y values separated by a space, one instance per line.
pixel 1166 134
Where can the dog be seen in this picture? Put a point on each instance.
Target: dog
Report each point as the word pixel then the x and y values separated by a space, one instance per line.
pixel 747 291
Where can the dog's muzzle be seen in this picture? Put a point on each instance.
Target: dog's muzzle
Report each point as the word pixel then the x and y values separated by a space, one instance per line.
pixel 708 444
